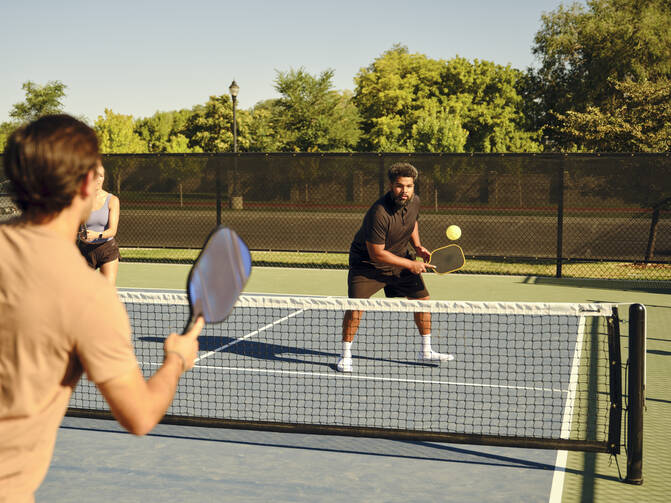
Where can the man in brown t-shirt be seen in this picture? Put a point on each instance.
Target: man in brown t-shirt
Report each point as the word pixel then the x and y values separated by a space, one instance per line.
pixel 58 318
pixel 379 258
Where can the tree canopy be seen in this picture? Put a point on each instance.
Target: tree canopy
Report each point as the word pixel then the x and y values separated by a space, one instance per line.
pixel 402 95
pixel 116 134
pixel 637 118
pixel 583 50
pixel 164 131
pixel 311 115
pixel 209 128
pixel 40 100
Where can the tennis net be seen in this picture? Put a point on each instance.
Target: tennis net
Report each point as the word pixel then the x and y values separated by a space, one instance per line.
pixel 544 375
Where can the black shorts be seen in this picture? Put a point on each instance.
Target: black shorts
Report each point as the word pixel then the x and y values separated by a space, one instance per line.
pixel 97 254
pixel 363 282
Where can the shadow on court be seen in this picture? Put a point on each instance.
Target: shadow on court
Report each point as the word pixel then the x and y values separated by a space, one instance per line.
pixel 399 449
pixel 282 353
pixel 606 284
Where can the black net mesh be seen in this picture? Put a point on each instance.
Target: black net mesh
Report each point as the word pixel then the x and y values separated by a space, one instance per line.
pixel 521 371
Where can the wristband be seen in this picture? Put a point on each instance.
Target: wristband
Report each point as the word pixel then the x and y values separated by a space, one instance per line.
pixel 180 356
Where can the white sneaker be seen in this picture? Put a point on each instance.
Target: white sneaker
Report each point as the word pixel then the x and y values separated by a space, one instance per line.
pixel 344 365
pixel 434 356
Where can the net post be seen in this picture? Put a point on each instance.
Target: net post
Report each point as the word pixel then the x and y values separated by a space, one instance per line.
pixel 636 378
pixel 615 359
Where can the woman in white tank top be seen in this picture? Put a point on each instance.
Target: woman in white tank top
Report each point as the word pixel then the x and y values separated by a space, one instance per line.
pixel 99 246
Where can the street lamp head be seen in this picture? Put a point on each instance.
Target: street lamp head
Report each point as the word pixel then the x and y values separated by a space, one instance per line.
pixel 234 88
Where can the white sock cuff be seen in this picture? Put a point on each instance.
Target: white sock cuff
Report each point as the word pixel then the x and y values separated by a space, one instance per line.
pixel 426 342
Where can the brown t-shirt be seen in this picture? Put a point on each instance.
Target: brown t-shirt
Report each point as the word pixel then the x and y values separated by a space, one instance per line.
pixel 58 318
pixel 385 223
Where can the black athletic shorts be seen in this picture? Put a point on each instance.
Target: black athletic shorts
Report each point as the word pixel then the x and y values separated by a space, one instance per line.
pixel 363 282
pixel 97 254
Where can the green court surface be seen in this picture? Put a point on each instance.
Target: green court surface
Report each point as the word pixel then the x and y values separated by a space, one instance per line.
pixel 589 476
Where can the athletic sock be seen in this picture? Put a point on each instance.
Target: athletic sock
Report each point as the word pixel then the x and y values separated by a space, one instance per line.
pixel 426 343
pixel 346 349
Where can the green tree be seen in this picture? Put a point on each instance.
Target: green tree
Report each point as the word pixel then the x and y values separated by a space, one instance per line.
pixel 159 131
pixel 179 144
pixel 582 50
pixel 310 116
pixel 210 126
pixel 391 94
pixel 636 118
pixel 263 135
pixel 485 95
pixel 40 100
pixel 6 129
pixel 438 131
pixel 402 95
pixel 116 134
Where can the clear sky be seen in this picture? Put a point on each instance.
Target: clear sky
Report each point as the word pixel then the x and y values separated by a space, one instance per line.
pixel 137 57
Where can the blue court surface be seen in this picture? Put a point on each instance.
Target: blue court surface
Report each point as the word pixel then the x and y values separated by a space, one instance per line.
pixel 95 461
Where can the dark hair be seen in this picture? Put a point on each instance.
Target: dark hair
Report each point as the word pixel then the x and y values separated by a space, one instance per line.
pixel 402 169
pixel 46 161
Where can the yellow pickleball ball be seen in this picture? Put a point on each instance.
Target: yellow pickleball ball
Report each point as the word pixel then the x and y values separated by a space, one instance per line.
pixel 453 232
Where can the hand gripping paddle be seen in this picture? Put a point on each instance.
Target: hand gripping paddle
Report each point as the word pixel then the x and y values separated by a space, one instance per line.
pixel 218 276
pixel 449 258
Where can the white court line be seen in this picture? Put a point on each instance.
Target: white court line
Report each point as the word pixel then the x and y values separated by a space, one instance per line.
pixel 562 456
pixel 371 378
pixel 384 379
pixel 251 334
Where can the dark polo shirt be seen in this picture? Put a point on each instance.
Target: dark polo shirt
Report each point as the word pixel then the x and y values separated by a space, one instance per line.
pixel 384 223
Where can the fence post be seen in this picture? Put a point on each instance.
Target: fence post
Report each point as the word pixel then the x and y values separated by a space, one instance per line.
pixel 560 220
pixel 636 394
pixel 381 175
pixel 217 184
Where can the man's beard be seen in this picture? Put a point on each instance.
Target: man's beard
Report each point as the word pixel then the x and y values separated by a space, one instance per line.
pixel 399 202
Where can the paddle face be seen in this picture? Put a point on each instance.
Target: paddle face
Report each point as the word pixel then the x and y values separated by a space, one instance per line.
pixel 449 258
pixel 218 276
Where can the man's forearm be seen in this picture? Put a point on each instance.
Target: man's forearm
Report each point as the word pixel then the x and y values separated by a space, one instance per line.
pixel 139 405
pixel 387 257
pixel 163 384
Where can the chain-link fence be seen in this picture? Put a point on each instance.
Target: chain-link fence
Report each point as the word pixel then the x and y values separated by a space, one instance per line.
pixel 578 215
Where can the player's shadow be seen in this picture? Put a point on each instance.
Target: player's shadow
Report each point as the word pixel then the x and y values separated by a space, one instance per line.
pixel 280 352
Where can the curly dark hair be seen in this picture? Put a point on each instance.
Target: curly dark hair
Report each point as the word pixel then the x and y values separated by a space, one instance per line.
pixel 402 169
pixel 46 161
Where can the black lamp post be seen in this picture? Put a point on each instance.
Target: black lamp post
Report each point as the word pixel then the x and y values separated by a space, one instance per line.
pixel 234 88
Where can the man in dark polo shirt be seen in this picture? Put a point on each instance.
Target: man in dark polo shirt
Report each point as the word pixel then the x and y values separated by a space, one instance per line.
pixel 379 258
